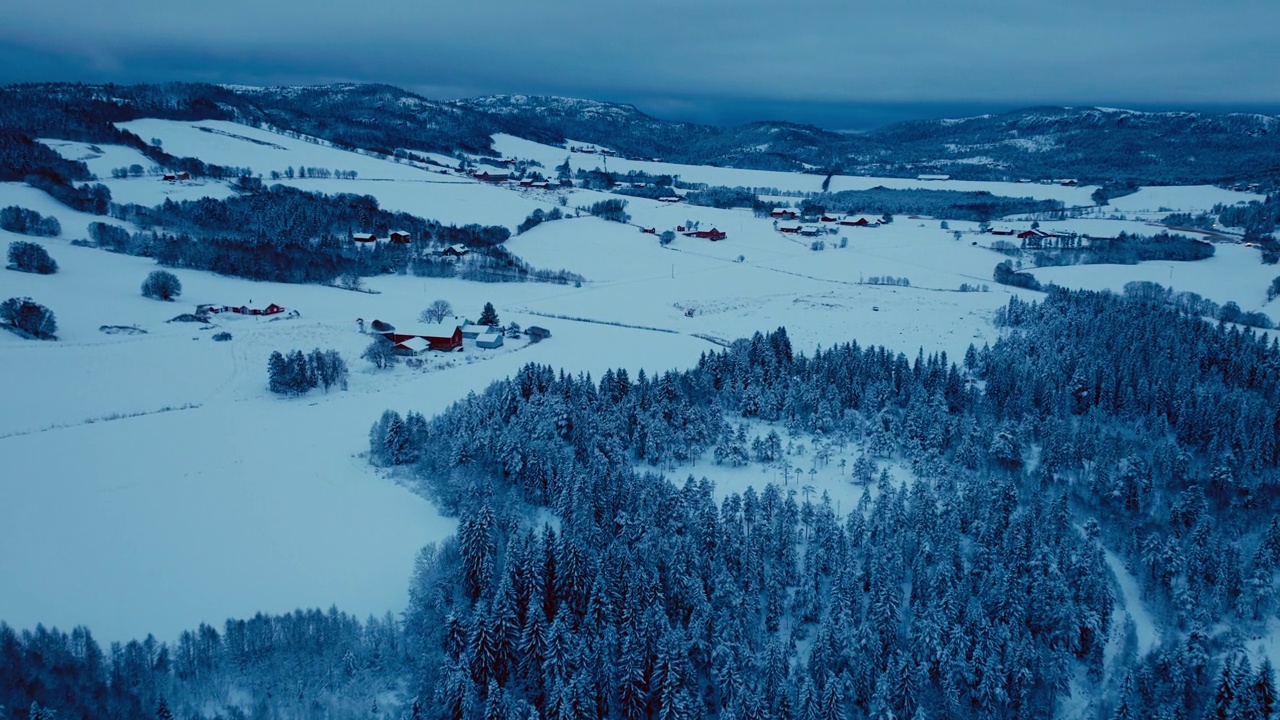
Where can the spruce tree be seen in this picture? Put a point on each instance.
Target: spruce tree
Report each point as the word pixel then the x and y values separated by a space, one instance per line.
pixel 277 373
pixel 488 316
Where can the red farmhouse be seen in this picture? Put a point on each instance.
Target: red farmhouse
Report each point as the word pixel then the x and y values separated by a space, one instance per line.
pixel 444 337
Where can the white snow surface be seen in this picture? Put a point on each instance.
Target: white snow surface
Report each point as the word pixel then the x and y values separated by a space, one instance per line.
pixel 100 158
pixel 227 143
pixel 1160 201
pixel 1148 634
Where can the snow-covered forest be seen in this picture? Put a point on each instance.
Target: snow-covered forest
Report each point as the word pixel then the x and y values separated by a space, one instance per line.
pixel 585 583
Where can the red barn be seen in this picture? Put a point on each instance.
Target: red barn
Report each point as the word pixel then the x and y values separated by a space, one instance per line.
pixel 272 309
pixel 712 234
pixel 445 337
pixel 491 175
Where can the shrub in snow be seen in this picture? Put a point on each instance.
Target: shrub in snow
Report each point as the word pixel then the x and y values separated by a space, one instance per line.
pixel 31 257
pixel 161 285
pixel 110 237
pixel 380 353
pixel 221 337
pixel 28 222
pixel 29 318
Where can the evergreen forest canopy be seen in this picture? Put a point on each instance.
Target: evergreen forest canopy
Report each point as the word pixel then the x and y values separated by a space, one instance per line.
pixel 980 588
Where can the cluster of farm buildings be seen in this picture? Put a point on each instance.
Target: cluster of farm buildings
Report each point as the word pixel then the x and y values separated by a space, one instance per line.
pixel 214 309
pixel 448 336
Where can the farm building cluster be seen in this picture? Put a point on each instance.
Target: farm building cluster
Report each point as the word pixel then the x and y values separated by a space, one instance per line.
pixel 446 336
pixel 813 230
pixel 399 237
pixel 213 309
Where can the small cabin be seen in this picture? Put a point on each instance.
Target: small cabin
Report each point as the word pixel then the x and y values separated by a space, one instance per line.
pixel 493 175
pixel 455 250
pixel 489 340
pixel 364 237
pixel 411 347
pixel 649 230
pixel 400 236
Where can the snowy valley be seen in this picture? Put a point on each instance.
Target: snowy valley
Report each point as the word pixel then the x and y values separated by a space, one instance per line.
pixel 154 484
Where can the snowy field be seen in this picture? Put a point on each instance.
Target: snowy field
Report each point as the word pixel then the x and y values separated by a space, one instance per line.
pixel 1234 274
pixel 550 156
pixel 153 483
pixel 101 159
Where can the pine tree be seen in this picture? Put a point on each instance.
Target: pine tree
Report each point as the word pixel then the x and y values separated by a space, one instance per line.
pixel 1264 690
pixel 488 316
pixel 277 373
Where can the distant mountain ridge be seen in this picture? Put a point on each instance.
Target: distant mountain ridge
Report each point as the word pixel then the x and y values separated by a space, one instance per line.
pixel 1100 145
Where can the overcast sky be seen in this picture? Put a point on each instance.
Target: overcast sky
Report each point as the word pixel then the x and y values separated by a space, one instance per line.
pixel 825 61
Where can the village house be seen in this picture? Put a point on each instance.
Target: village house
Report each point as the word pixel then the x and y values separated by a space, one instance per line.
pixel 489 340
pixel 492 175
pixel 411 347
pixel 790 228
pixel 860 221
pixel 784 214
pixel 457 250
pixel 400 236
pixel 471 331
pixel 364 237
pixel 445 336
pixel 712 234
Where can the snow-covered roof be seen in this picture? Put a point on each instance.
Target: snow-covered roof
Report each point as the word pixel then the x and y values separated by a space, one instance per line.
pixel 363 236
pixel 438 330
pixel 415 344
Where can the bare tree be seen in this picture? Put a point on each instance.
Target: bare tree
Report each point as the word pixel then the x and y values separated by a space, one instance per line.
pixel 439 310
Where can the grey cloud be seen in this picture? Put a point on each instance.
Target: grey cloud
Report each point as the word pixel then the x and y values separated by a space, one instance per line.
pixel 807 51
